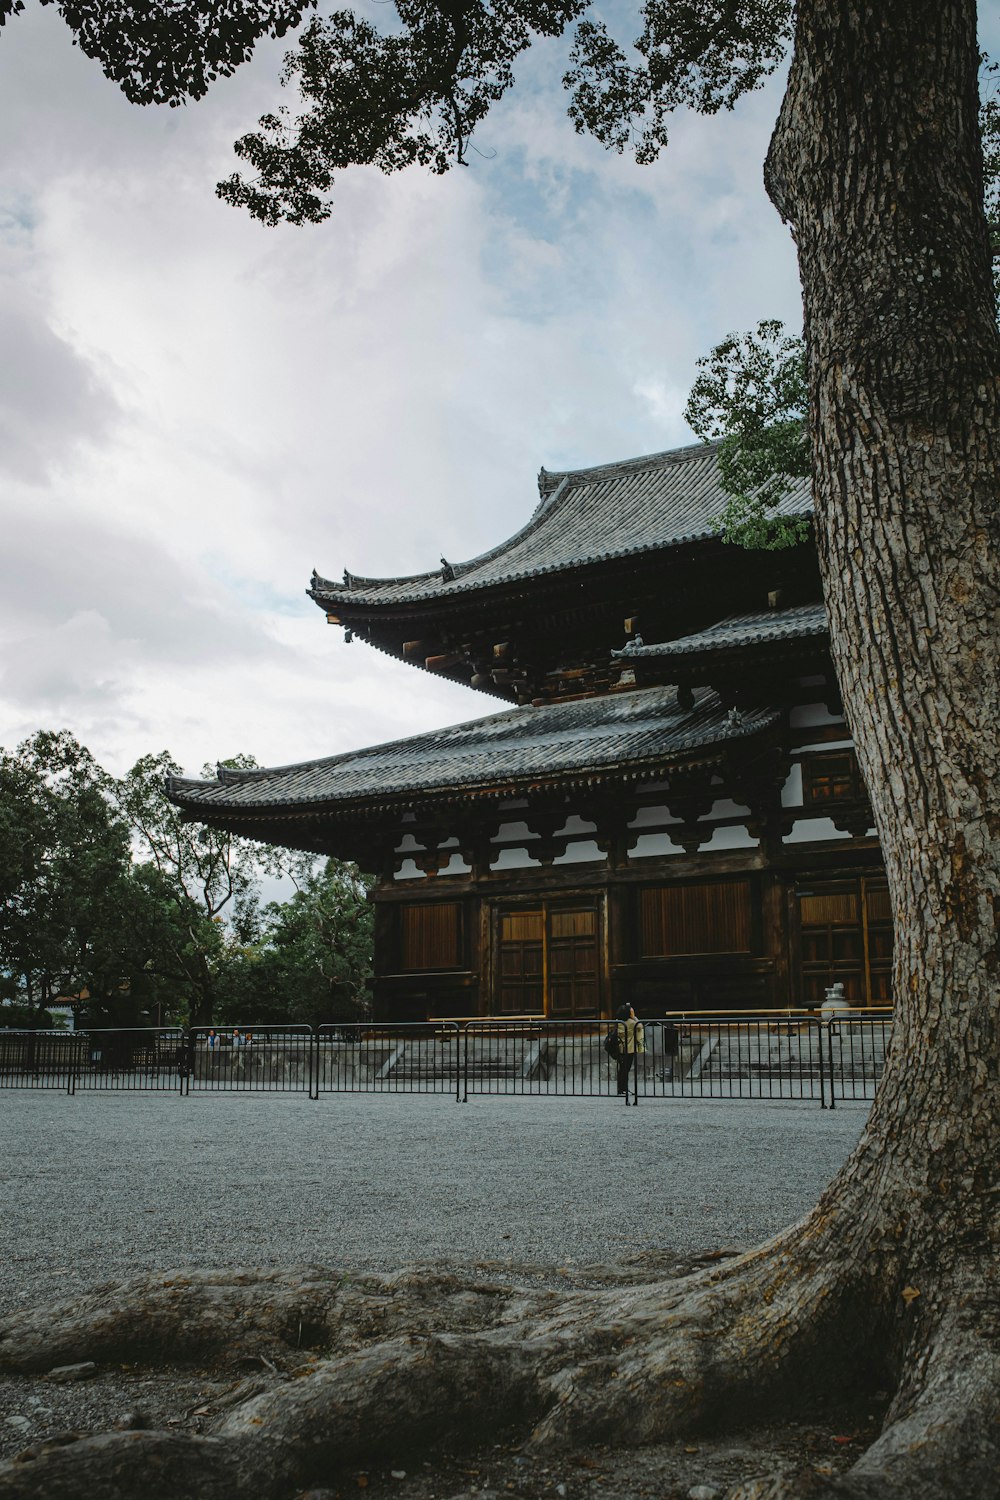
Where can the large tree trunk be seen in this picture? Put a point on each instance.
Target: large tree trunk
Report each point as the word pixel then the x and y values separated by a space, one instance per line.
pixel 876 162
pixel 891 1280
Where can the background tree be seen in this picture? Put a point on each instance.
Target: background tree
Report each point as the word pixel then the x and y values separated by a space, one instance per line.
pixel 78 921
pixel 107 898
pixel 876 164
pixel 168 51
pixel 751 396
pixel 194 877
pixel 64 876
pixel 751 393
pixel 311 961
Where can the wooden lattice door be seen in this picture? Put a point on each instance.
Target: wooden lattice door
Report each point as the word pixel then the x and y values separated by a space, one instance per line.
pixel 846 938
pixel 521 963
pixel 573 961
pixel 548 960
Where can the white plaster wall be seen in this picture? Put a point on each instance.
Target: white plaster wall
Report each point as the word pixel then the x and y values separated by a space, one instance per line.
pixel 821 747
pixel 649 845
pixel 791 792
pixel 514 859
pixel 408 845
pixel 408 871
pixel 725 808
pixel 646 815
pixel 576 824
pixel 809 715
pixel 507 832
pixel 733 837
pixel 809 830
pixel 455 866
pixel 579 852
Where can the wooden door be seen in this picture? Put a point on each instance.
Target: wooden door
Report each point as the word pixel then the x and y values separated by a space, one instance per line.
pixel 846 938
pixel 521 963
pixel 878 941
pixel 574 961
pixel 549 960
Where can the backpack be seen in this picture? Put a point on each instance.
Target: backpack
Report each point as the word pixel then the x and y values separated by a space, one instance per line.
pixel 612 1043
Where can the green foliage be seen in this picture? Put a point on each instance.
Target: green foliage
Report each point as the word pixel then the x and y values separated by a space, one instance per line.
pixel 390 101
pixel 15 1016
pixel 751 395
pixel 698 54
pixel 417 94
pixel 190 874
pixel 167 51
pixel 108 897
pixel 312 962
pixel 66 896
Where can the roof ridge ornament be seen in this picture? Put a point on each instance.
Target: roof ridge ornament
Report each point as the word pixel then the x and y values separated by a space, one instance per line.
pixel 447 570
pixel 548 482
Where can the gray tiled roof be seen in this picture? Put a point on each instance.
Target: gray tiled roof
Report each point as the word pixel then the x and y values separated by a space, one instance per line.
pixel 584 516
pixel 644 728
pixel 801 622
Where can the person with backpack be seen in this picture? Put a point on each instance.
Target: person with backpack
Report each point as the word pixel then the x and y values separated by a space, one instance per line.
pixel 631 1038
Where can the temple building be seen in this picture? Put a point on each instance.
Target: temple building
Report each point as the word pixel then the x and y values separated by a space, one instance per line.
pixel 667 809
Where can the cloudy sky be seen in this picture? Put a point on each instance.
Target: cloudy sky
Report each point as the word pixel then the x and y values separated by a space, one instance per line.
pixel 195 410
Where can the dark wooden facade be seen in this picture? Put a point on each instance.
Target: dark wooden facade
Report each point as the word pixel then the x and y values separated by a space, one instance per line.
pixel 672 814
pixel 742 928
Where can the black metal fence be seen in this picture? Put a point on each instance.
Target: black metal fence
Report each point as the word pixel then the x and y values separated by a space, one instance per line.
pixel 265 1060
pixel 768 1055
pixel 415 1057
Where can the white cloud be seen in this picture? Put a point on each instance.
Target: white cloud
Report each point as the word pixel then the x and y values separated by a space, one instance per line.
pixel 201 410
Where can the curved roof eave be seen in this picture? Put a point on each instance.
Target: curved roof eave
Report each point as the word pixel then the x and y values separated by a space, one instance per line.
pixel 789 627
pixel 578 522
pixel 628 735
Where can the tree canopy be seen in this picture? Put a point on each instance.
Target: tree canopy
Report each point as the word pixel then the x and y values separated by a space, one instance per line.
pixel 162 52
pixel 417 93
pixel 751 394
pixel 876 163
pixel 110 901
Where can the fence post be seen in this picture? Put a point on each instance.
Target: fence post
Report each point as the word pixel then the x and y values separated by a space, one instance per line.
pixel 314 1063
pixel 822 1064
pixel 829 1025
pixel 462 1059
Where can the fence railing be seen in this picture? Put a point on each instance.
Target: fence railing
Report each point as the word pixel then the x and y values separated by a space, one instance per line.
pixel 767 1055
pixel 265 1060
pixel 415 1057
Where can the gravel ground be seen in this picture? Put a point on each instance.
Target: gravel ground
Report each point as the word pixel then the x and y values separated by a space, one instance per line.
pixel 100 1186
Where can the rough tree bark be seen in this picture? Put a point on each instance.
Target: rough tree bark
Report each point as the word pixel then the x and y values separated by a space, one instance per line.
pixel 892 1278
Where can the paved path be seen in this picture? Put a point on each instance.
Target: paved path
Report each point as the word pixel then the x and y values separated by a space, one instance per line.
pixel 95 1187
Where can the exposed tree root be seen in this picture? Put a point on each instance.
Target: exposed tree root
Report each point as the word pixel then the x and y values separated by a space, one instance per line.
pixel 233 1316
pixel 423 1356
